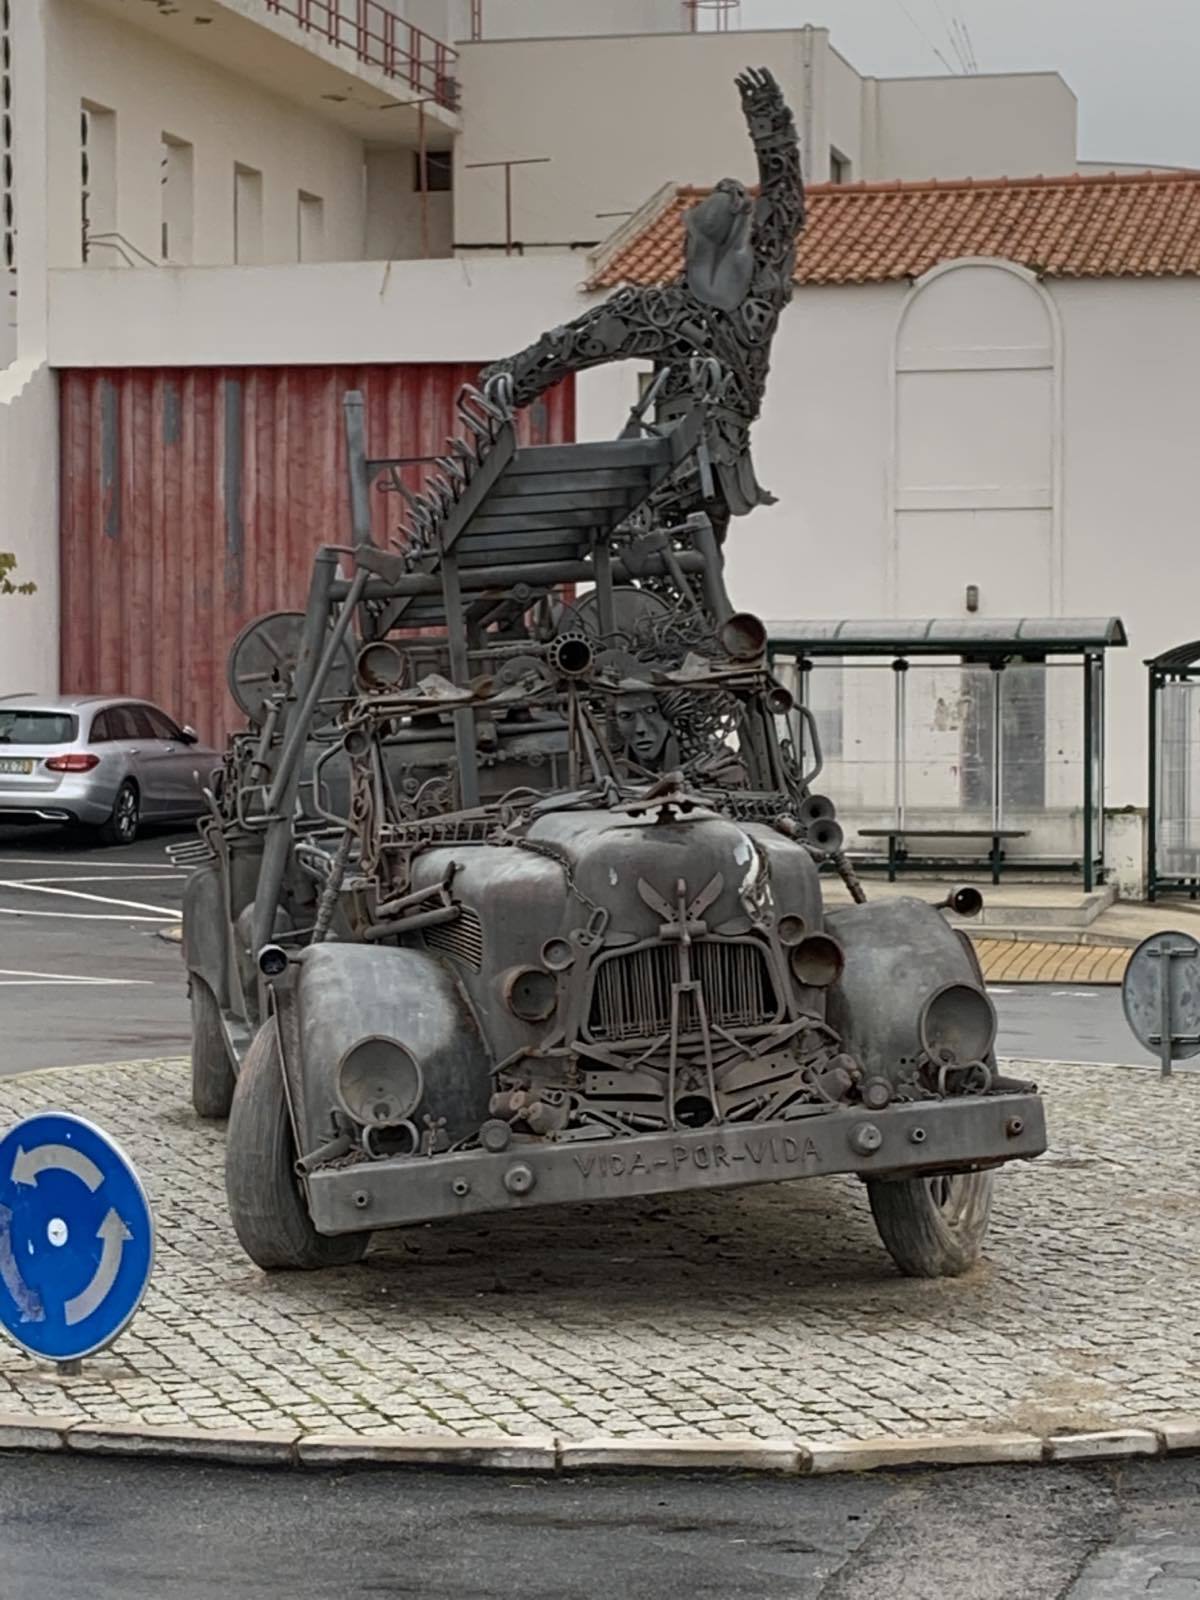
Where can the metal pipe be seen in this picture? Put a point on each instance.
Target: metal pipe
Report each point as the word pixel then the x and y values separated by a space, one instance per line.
pixel 535 574
pixel 707 560
pixel 1088 797
pixel 422 919
pixel 356 464
pixel 281 800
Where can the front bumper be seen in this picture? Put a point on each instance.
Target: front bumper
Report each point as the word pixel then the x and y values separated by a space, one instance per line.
pixel 902 1141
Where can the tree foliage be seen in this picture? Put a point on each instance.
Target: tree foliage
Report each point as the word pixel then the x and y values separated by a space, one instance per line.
pixel 8 565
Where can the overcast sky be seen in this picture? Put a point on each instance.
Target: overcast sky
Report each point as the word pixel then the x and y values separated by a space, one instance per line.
pixel 1134 67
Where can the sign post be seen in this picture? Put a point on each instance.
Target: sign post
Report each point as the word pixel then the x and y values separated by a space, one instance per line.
pixel 76 1238
pixel 1161 996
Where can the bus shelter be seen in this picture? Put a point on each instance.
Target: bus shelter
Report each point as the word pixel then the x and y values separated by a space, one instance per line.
pixel 956 743
pixel 1173 833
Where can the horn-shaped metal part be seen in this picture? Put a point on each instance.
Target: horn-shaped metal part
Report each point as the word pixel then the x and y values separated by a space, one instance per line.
pixel 966 900
pixel 816 807
pixel 826 834
pixel 743 636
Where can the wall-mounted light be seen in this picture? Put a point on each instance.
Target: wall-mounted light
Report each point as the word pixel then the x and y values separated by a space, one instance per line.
pixel 972 597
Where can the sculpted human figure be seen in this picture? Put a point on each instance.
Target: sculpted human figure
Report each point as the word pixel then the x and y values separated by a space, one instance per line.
pixel 740 258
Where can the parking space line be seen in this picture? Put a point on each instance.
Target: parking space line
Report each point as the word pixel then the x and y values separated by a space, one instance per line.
pixel 80 894
pixel 11 976
pixel 165 877
pixel 66 861
pixel 91 916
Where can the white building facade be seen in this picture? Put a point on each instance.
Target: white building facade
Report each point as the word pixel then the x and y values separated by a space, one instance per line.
pixel 215 186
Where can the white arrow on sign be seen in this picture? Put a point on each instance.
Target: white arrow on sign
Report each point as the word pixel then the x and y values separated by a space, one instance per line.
pixel 55 1157
pixel 114 1234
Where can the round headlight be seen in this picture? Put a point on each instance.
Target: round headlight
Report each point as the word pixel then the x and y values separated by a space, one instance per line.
pixel 817 961
pixel 792 929
pixel 960 1020
pixel 272 961
pixel 531 993
pixel 558 954
pixel 379 1082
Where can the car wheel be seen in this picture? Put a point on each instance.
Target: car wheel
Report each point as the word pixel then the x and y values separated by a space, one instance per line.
pixel 266 1201
pixel 933 1227
pixel 213 1077
pixel 122 826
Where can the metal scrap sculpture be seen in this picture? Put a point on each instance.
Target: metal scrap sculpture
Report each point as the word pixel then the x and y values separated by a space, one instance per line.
pixel 725 308
pixel 507 901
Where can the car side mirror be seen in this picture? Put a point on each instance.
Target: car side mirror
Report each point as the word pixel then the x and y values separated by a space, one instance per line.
pixel 190 736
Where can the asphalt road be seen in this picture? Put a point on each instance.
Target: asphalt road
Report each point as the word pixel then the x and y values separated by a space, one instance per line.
pixel 73 1527
pixel 83 974
pixel 85 977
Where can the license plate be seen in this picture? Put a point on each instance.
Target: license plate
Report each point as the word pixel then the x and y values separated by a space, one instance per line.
pixel 15 766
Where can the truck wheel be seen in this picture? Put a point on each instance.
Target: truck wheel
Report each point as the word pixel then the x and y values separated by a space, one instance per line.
pixel 266 1201
pixel 933 1227
pixel 212 1075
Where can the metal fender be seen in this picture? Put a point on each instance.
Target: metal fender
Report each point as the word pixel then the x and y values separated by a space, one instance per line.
pixel 908 973
pixel 204 930
pixel 385 1037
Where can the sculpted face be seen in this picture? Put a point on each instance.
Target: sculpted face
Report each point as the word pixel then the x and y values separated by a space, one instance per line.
pixel 643 729
pixel 719 258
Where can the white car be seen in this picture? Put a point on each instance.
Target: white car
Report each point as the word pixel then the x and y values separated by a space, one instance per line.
pixel 106 762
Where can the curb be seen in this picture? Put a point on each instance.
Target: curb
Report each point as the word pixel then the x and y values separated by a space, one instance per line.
pixel 547 1454
pixel 1052 935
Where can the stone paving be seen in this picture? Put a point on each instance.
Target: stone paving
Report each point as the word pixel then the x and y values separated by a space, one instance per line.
pixel 772 1312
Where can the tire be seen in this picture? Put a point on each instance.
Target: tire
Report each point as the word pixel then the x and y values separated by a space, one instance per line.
pixel 266 1201
pixel 122 825
pixel 213 1077
pixel 933 1227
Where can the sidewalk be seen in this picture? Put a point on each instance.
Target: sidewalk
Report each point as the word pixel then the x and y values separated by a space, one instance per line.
pixel 696 1323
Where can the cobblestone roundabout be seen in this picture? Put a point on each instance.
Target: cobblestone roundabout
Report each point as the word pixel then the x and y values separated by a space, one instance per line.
pixel 772 1312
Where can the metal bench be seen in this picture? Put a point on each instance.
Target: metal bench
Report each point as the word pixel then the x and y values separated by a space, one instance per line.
pixel 898 855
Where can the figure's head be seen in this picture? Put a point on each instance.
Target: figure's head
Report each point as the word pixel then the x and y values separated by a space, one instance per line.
pixel 719 258
pixel 642 727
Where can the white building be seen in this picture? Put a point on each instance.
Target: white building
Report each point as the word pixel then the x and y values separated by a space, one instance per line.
pixel 215 224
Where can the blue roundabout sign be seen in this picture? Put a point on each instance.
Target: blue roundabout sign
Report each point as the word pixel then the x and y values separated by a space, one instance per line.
pixel 76 1237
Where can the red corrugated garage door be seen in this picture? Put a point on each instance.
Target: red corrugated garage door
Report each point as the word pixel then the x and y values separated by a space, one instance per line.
pixel 192 500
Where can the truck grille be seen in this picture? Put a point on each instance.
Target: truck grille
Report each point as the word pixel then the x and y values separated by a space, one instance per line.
pixel 462 938
pixel 631 992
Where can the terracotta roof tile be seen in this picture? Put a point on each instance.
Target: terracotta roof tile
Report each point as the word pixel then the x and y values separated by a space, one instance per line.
pixel 1143 224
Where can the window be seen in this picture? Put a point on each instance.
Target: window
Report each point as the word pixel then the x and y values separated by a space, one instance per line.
pixel 98 185
pixel 176 185
pixel 102 729
pixel 137 717
pixel 841 168
pixel 36 727
pixel 162 725
pixel 247 215
pixel 439 172
pixel 310 227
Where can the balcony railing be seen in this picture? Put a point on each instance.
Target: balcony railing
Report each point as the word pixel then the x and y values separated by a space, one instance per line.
pixel 379 38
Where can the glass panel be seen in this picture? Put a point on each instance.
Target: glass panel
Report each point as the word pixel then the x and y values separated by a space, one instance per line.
pixel 36 727
pixel 1043 789
pixel 162 725
pixel 854 706
pixel 949 749
pixel 1179 780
